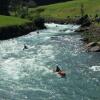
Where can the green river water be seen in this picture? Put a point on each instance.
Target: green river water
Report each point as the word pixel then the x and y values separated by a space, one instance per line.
pixel 27 74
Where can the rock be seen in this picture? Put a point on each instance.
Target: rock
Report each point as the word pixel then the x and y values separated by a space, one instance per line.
pixel 94 49
pixel 97 19
pixel 85 40
pixel 82 29
pixel 98 43
pixel 91 44
pixel 87 23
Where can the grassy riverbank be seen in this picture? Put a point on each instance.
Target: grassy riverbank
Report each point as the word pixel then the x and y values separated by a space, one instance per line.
pixel 71 8
pixel 11 27
pixel 6 21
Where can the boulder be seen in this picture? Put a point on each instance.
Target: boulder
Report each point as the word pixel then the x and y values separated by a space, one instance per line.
pixel 97 19
pixel 94 49
pixel 91 44
pixel 98 43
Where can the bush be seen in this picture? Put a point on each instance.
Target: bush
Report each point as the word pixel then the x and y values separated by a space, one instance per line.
pixel 84 21
pixel 39 22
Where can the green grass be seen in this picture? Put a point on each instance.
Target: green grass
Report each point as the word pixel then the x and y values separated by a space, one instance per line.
pixel 10 21
pixel 71 8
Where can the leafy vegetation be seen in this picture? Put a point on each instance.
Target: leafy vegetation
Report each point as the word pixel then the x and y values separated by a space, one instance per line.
pixel 46 2
pixel 4 4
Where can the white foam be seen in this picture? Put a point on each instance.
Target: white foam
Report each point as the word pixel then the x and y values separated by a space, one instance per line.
pixel 51 25
pixel 20 68
pixel 60 26
pixel 11 67
pixel 45 50
pixel 11 46
pixel 95 68
pixel 69 31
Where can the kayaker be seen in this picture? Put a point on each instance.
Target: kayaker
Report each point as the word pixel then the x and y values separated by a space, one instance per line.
pixel 60 72
pixel 57 69
pixel 38 32
pixel 25 47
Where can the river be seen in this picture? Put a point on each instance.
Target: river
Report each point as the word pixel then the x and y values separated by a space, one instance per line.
pixel 27 74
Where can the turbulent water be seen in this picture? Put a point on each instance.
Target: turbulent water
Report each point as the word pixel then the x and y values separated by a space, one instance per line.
pixel 27 74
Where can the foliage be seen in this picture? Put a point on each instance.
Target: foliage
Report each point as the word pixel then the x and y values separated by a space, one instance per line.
pixel 46 2
pixel 39 22
pixel 31 4
pixel 20 7
pixel 22 11
pixel 4 7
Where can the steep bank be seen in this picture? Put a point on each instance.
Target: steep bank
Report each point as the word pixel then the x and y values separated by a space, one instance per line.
pixel 15 31
pixel 11 27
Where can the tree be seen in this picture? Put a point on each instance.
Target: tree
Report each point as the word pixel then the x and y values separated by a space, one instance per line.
pixel 46 2
pixel 20 7
pixel 4 7
pixel 82 10
pixel 31 4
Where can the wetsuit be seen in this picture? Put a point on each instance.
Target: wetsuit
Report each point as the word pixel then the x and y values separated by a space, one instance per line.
pixel 58 69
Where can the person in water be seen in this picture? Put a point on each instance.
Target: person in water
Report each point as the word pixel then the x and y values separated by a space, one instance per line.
pixel 60 72
pixel 57 69
pixel 38 32
pixel 25 47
